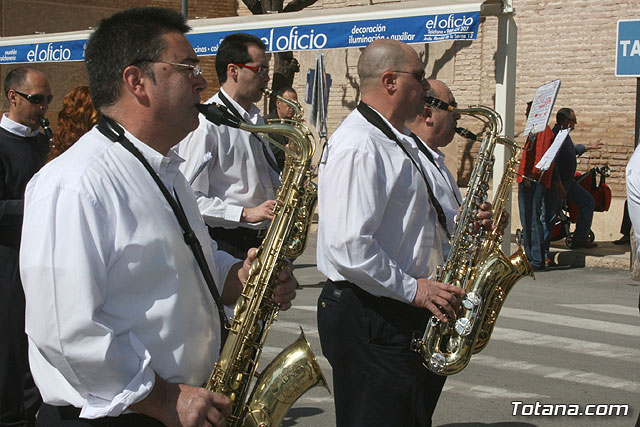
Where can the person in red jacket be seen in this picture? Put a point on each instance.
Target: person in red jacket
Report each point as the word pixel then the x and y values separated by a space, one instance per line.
pixel 534 186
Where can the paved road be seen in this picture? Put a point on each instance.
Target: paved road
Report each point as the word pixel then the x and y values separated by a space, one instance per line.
pixel 569 337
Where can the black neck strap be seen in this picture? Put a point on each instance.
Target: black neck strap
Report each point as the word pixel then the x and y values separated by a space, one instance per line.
pixel 112 130
pixel 422 147
pixel 373 118
pixel 272 164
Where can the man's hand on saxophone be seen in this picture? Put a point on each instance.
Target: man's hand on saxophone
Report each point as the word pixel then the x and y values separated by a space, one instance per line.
pixel 285 292
pixel 441 299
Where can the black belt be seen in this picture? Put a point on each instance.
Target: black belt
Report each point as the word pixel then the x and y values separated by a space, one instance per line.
pixel 69 415
pixel 418 315
pixel 242 233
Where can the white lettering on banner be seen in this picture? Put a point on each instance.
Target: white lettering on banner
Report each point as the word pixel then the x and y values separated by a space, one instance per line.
pixel 50 54
pixel 448 22
pixel 295 41
pixel 635 49
pixel 378 28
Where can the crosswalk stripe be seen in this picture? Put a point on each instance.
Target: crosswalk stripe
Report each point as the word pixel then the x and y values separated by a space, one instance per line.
pixel 570 375
pixel 567 344
pixel 575 322
pixel 486 392
pixel 606 308
pixel 305 307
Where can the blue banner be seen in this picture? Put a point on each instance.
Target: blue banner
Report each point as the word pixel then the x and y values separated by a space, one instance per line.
pixel 413 29
pixel 628 49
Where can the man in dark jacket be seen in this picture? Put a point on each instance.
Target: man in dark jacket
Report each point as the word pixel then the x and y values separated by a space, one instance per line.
pixel 23 150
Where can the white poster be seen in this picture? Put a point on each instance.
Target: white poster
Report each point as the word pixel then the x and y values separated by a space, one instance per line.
pixel 541 107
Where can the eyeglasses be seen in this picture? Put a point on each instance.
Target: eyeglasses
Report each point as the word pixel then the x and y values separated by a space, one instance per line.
pixel 418 75
pixel 261 71
pixel 35 99
pixel 196 70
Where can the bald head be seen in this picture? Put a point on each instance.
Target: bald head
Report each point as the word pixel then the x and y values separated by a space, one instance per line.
pixel 383 55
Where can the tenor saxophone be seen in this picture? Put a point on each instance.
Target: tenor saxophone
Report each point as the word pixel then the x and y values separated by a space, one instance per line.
pixel 295 369
pixel 475 263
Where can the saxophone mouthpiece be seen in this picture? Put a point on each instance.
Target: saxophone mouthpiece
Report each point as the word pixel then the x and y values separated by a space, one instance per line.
pixel 465 133
pixel 218 114
pixel 437 103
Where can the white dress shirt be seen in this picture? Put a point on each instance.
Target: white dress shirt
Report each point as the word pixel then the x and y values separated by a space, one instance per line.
pixel 237 176
pixel 445 189
pixel 17 128
pixel 633 193
pixel 376 223
pixel 113 293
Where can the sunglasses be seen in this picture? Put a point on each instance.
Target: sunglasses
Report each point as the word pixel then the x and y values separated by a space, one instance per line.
pixel 35 99
pixel 418 75
pixel 261 71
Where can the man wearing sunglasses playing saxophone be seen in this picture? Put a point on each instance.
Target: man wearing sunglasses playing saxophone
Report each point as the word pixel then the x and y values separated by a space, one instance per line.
pixel 23 150
pixel 236 190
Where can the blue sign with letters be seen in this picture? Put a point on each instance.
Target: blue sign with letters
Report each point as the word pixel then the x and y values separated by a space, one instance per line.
pixel 628 48
pixel 412 29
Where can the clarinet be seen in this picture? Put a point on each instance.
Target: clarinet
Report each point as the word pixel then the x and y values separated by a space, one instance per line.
pixel 44 122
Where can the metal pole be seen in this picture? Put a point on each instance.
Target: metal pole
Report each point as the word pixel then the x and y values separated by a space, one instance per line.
pixel 505 101
pixel 185 7
pixel 637 134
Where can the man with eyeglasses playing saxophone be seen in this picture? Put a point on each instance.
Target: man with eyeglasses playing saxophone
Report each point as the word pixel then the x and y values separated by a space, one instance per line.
pixel 236 190
pixel 379 246
pixel 23 151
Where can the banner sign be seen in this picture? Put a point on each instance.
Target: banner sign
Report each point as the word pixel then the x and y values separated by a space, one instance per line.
pixel 412 29
pixel 628 48
pixel 62 51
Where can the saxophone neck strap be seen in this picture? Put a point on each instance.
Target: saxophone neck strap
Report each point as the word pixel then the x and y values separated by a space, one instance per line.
pixel 423 147
pixel 271 161
pixel 112 130
pixel 372 117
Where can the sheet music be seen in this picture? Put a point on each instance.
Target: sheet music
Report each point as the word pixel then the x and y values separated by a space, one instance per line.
pixel 547 159
pixel 541 107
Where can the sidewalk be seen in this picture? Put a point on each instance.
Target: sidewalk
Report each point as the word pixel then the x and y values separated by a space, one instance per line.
pixel 606 255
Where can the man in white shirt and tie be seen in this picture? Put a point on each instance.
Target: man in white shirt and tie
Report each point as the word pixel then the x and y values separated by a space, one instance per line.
pixel 436 128
pixel 236 190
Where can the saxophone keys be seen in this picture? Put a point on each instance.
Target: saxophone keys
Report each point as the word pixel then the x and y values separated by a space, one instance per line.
pixel 437 362
pixel 471 300
pixel 463 326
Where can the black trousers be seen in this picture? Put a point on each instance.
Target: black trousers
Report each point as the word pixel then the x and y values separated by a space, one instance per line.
pixel 236 241
pixel 67 416
pixel 19 397
pixel 377 379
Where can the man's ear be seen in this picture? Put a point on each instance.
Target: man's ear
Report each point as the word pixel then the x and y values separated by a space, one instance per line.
pixel 11 96
pixel 427 116
pixel 388 79
pixel 232 72
pixel 134 80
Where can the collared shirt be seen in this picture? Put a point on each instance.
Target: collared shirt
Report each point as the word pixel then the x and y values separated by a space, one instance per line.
pixel 237 176
pixel 445 189
pixel 113 293
pixel 376 223
pixel 17 128
pixel 633 193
